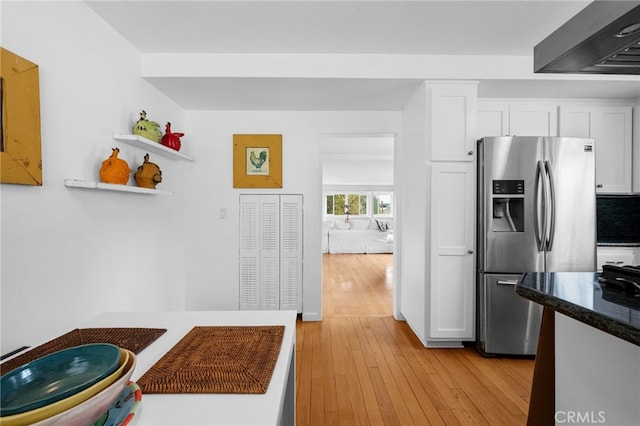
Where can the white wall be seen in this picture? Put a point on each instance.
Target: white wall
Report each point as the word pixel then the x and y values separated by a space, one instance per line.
pixel 212 242
pixel 365 172
pixel 68 254
pixel 357 161
pixel 412 213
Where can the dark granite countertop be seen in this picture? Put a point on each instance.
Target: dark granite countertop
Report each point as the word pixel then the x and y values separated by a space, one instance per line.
pixel 580 296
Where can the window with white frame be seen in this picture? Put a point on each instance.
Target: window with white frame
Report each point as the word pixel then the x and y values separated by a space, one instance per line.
pixel 382 203
pixel 371 204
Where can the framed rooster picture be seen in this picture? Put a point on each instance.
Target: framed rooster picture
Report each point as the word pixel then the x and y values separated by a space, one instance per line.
pixel 257 161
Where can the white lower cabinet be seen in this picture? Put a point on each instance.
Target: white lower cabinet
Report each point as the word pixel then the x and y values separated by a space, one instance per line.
pixel 270 252
pixel 451 288
pixel 618 256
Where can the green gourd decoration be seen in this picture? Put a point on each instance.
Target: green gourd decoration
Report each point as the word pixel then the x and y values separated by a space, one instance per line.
pixel 147 128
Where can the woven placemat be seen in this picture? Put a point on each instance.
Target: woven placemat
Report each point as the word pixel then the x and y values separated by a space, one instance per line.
pixel 133 339
pixel 217 359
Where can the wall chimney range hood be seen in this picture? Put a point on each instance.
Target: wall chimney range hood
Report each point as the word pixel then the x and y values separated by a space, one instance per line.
pixel 603 38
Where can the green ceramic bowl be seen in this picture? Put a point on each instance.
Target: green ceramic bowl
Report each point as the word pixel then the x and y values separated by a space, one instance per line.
pixel 56 376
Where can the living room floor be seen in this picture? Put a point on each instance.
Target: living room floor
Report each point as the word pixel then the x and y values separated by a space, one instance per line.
pixel 361 366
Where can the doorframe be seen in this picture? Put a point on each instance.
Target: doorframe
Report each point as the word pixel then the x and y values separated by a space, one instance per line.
pixel 397 234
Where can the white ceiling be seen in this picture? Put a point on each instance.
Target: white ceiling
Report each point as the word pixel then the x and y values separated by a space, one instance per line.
pixel 333 27
pixel 299 26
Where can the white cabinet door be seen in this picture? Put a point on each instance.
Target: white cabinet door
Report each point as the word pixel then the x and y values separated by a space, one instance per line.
pixel 452 291
pixel 610 127
pixel 451 121
pixel 270 252
pixel 493 119
pixel 533 119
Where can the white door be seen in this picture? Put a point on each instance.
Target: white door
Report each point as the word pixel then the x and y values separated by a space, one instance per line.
pixel 249 251
pixel 452 291
pixel 291 252
pixel 269 255
pixel 271 252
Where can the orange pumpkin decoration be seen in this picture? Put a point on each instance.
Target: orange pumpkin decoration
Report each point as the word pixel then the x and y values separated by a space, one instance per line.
pixel 114 169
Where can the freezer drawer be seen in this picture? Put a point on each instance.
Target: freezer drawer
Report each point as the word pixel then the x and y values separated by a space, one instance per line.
pixel 508 323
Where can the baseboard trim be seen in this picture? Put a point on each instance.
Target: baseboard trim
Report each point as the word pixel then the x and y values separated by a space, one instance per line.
pixel 444 344
pixel 311 316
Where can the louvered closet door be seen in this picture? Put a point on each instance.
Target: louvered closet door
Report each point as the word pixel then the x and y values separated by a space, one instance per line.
pixel 271 252
pixel 249 253
pixel 259 252
pixel 291 252
pixel 269 245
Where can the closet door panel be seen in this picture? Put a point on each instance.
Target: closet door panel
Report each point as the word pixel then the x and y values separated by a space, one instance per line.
pixel 269 252
pixel 249 253
pixel 291 252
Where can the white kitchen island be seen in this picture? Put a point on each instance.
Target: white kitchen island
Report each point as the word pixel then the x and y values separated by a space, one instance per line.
pixel 275 407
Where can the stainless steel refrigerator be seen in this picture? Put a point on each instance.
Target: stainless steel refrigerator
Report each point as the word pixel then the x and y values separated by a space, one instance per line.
pixel 536 213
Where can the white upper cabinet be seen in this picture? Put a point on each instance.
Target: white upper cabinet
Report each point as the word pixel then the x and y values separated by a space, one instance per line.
pixel 451 124
pixel 493 119
pixel 610 127
pixel 503 118
pixel 533 119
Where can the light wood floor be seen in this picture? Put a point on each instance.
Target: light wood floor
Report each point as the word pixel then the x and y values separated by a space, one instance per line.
pixel 359 366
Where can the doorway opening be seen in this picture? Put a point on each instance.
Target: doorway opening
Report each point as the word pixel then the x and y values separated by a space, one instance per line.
pixel 358 224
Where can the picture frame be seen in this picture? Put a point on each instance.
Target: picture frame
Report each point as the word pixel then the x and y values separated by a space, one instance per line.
pixel 257 161
pixel 20 141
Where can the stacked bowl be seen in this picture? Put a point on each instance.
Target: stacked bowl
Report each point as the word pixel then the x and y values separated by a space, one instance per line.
pixel 74 386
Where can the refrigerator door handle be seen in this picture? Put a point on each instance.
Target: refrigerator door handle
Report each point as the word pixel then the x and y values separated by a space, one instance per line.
pixel 507 282
pixel 552 207
pixel 539 183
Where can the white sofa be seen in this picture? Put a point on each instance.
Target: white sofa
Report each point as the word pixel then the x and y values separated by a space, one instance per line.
pixel 359 235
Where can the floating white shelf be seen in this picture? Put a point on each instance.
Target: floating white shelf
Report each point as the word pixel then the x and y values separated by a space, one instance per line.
pixel 155 147
pixel 77 183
